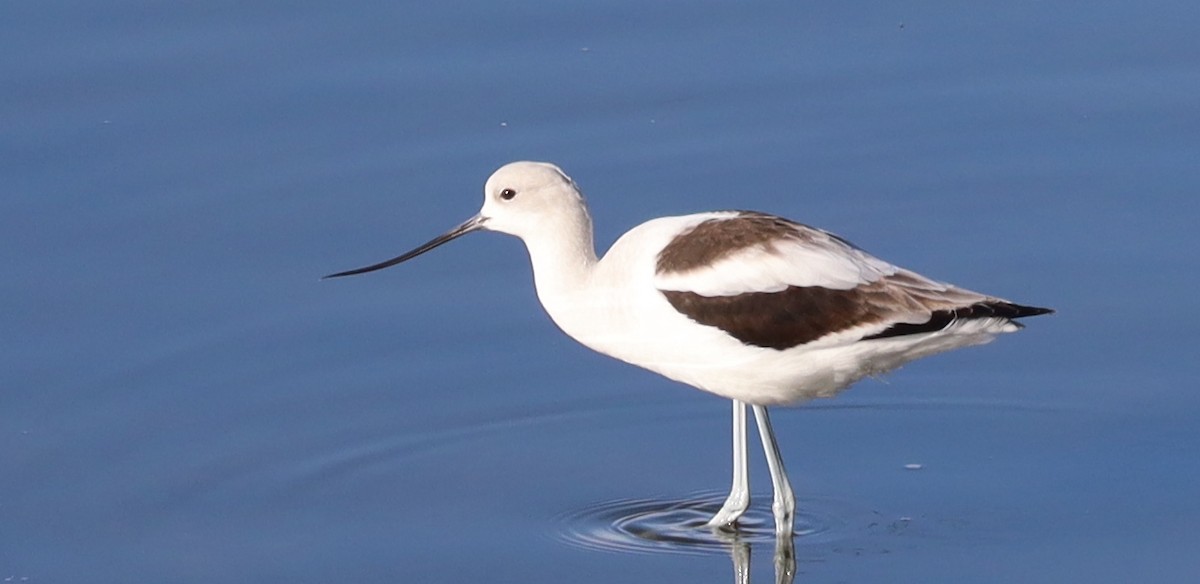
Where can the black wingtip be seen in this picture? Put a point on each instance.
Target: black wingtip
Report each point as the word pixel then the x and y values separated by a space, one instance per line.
pixel 940 319
pixel 1020 311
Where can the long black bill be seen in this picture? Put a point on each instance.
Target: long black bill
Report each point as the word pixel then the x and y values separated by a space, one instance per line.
pixel 473 224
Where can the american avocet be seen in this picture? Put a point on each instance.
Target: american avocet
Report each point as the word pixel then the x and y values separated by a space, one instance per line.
pixel 749 306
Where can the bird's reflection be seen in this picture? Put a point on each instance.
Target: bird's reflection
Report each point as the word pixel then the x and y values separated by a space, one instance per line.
pixel 784 558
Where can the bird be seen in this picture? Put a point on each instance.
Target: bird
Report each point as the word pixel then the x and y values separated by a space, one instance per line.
pixel 752 307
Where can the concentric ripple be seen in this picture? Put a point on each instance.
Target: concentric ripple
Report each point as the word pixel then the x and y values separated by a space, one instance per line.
pixel 679 525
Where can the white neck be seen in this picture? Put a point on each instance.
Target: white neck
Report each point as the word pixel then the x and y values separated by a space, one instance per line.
pixel 563 261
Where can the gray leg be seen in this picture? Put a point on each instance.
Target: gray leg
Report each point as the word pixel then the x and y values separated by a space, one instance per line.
pixel 739 494
pixel 784 503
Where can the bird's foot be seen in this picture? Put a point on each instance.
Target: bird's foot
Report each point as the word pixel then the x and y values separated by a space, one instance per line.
pixel 735 506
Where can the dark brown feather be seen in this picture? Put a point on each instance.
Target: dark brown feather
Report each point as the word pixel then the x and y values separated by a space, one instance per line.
pixel 798 315
pixel 711 240
pixel 775 320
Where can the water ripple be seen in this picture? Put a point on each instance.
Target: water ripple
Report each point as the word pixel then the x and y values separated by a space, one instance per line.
pixel 678 526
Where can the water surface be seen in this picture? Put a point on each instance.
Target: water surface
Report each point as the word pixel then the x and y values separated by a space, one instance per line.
pixel 182 400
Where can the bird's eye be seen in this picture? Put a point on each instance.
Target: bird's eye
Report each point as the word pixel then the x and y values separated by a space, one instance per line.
pixel 508 194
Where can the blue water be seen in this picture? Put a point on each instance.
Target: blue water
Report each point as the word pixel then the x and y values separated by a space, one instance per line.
pixel 182 400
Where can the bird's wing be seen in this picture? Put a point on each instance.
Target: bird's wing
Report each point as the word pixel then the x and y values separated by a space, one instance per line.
pixel 774 283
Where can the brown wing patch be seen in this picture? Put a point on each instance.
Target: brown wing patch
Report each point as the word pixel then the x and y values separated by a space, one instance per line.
pixel 775 320
pixel 714 239
pixel 798 315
